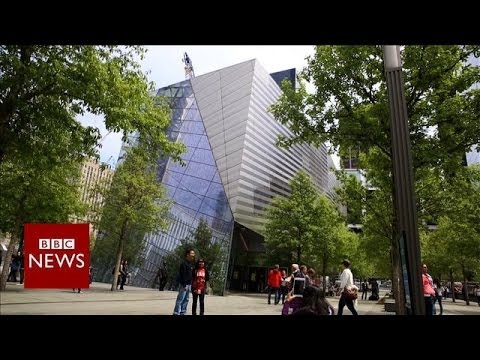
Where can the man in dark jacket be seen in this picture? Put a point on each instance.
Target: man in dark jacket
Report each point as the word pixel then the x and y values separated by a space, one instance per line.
pixel 184 278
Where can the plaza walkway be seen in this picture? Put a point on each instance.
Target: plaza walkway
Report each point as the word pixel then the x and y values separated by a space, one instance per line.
pixel 99 300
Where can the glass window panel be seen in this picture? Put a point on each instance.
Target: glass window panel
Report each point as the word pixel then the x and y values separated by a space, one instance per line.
pixel 191 140
pixel 203 156
pixel 200 170
pixel 188 154
pixel 204 144
pixel 212 207
pixel 187 199
pixel 192 114
pixel 175 166
pixel 195 185
pixel 215 191
pixel 198 128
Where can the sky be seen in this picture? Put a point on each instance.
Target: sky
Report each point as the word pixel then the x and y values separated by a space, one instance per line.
pixel 163 65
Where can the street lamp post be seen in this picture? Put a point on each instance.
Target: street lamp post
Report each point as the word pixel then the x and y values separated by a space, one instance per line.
pixel 404 194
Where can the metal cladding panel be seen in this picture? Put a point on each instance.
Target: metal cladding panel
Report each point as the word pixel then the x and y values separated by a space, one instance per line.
pixel 234 105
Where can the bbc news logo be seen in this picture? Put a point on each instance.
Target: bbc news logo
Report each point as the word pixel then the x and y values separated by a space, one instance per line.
pixel 56 256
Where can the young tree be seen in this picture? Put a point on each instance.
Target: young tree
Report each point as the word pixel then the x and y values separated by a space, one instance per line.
pixel 201 240
pixel 135 204
pixel 290 220
pixel 308 224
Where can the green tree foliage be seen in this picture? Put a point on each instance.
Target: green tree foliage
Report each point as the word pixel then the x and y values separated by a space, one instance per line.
pixel 213 252
pixel 349 109
pixel 306 228
pixel 290 220
pixel 455 246
pixel 32 190
pixel 135 204
pixel 44 88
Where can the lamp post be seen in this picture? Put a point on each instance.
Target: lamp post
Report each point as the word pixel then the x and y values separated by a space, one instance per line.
pixel 404 193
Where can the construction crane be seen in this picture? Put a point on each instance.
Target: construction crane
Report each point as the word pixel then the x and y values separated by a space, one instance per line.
pixel 189 73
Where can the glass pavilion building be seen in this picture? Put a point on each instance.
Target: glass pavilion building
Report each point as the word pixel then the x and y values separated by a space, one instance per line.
pixel 233 167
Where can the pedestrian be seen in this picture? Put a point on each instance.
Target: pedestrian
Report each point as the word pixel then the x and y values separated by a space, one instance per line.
pixel 438 295
pixel 365 289
pixel 199 286
pixel 162 276
pixel 184 279
pixel 274 282
pixel 428 291
pixel 346 281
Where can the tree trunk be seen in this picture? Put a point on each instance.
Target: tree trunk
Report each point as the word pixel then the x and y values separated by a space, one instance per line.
pixel 299 252
pixel 452 285
pixel 465 287
pixel 8 261
pixel 119 257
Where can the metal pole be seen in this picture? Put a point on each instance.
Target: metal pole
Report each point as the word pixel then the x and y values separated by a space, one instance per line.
pixel 406 212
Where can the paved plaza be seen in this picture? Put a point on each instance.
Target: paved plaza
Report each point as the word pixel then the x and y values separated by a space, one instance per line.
pixel 99 300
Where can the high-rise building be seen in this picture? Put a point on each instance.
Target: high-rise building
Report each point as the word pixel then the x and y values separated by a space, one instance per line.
pixel 93 173
pixel 233 167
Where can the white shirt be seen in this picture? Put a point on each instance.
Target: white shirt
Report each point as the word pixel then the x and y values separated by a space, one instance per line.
pixel 346 278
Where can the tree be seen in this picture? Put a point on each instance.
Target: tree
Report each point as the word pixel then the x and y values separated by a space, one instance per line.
pixel 289 220
pixel 44 88
pixel 308 224
pixel 349 108
pixel 34 190
pixel 201 240
pixel 135 204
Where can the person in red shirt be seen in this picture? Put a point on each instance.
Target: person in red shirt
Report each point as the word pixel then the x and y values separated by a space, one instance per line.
pixel 428 291
pixel 200 277
pixel 274 282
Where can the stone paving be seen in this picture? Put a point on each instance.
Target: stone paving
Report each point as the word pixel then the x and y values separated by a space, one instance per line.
pixel 99 300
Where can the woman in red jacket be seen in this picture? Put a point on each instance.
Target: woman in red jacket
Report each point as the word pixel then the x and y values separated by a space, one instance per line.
pixel 199 286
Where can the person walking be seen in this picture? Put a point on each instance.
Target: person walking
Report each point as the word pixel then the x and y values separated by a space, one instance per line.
pixel 199 286
pixel 438 295
pixel 274 282
pixel 184 279
pixel 346 281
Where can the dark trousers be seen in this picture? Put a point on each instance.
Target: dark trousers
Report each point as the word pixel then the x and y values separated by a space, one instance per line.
pixel 124 280
pixel 344 301
pixel 284 292
pixel 439 299
pixel 276 291
pixel 163 282
pixel 428 305
pixel 202 303
pixel 22 275
pixel 365 292
pixel 13 275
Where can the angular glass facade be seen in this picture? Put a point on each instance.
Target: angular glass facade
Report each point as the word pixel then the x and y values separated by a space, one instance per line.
pixel 196 189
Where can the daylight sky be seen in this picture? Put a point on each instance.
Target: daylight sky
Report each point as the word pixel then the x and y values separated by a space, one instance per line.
pixel 163 65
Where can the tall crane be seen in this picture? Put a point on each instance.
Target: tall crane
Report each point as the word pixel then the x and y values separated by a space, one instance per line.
pixel 189 73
